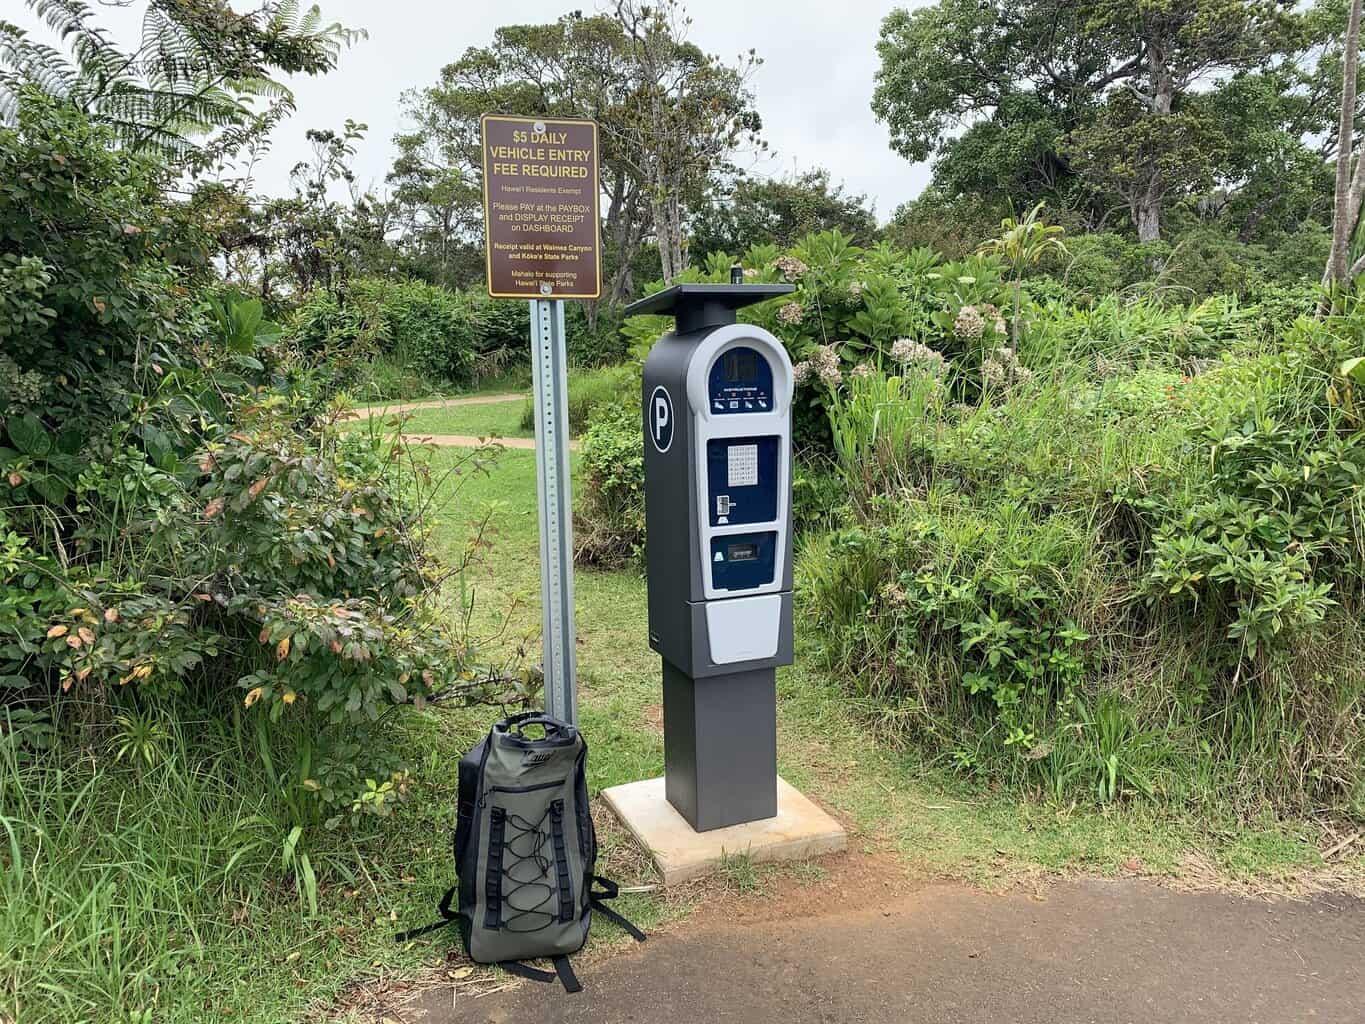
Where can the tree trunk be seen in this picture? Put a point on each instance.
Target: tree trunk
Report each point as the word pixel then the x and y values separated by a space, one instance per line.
pixel 1147 213
pixel 1254 218
pixel 1150 190
pixel 668 232
pixel 1343 217
pixel 623 229
pixel 623 277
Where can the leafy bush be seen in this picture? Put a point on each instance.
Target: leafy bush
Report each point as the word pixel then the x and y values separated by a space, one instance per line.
pixel 1269 540
pixel 594 345
pixel 181 523
pixel 434 331
pixel 589 392
pixel 393 339
pixel 609 524
pixel 86 299
pixel 1111 574
pixel 503 334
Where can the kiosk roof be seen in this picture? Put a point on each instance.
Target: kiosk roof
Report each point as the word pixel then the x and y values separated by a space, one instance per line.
pixel 695 306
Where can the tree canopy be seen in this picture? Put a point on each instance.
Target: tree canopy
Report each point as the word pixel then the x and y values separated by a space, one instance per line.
pixel 1104 106
pixel 780 211
pixel 670 117
pixel 189 86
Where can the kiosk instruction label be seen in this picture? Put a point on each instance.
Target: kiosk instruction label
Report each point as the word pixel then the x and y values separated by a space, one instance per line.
pixel 541 211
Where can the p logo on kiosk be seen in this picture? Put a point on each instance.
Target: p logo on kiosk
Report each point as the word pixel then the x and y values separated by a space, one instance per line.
pixel 661 420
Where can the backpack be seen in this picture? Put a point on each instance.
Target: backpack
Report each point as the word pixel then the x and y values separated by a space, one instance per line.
pixel 525 851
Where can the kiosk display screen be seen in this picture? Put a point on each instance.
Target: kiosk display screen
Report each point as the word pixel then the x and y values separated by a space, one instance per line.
pixel 741 381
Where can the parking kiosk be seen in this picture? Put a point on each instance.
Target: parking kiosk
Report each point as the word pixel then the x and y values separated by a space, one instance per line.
pixel 718 463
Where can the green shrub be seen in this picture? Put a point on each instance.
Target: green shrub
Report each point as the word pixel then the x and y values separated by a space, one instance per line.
pixel 503 334
pixel 595 345
pixel 383 334
pixel 179 523
pixel 1269 540
pixel 1109 581
pixel 609 524
pixel 1093 266
pixel 429 329
pixel 323 329
pixel 590 392
pixel 992 600
pixel 88 298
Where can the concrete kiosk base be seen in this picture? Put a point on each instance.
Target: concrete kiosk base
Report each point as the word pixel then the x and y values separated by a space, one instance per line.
pixel 799 830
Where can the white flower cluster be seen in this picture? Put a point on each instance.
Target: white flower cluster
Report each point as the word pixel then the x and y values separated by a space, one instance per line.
pixel 997 318
pixel 750 272
pixel 1002 369
pixel 969 325
pixel 791 314
pixel 823 365
pixel 826 363
pixel 861 370
pixel 790 267
pixel 917 355
pixel 855 289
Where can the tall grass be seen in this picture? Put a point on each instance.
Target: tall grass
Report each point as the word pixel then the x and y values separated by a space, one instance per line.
pixel 142 888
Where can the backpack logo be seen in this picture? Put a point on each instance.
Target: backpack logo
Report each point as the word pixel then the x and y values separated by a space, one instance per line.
pixel 535 758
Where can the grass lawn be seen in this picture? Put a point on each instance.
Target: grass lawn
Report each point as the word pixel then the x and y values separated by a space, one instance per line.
pixel 194 941
pixel 499 419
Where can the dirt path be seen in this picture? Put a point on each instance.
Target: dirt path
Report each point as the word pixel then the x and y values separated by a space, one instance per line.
pixel 394 408
pixel 450 440
pixel 467 441
pixel 1095 951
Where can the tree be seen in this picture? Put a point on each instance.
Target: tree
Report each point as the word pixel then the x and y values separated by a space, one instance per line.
pixel 1042 96
pixel 438 214
pixel 975 87
pixel 308 241
pixel 187 91
pixel 686 114
pixel 1156 137
pixel 780 211
pixel 1350 184
pixel 669 117
pixel 574 67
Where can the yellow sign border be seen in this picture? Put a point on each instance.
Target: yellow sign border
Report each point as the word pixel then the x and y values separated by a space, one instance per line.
pixel 596 205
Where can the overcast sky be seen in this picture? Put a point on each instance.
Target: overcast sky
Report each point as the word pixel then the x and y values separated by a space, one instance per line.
pixel 813 90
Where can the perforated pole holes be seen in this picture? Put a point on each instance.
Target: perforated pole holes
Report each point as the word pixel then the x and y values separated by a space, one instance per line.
pixel 549 360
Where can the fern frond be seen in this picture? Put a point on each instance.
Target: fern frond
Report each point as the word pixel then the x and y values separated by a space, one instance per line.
pixel 193 76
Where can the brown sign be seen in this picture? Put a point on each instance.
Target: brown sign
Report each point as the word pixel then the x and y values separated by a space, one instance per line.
pixel 540 204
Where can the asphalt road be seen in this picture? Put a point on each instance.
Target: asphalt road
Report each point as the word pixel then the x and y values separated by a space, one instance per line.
pixel 1088 951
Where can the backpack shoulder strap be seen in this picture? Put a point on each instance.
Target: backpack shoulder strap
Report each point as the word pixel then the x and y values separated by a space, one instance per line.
pixel 609 890
pixel 447 915
pixel 563 970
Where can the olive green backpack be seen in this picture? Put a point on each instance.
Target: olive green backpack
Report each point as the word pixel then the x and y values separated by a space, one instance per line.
pixel 525 851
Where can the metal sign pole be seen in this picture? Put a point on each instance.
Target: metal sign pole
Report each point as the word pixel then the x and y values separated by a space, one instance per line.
pixel 549 362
